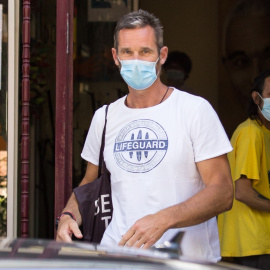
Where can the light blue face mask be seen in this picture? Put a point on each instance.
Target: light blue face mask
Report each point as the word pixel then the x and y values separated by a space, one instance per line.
pixel 138 74
pixel 266 108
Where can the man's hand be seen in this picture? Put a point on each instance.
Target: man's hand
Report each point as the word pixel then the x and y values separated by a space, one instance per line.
pixel 66 227
pixel 215 198
pixel 145 232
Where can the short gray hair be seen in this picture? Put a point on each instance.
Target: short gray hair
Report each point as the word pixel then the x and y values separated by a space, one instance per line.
pixel 139 19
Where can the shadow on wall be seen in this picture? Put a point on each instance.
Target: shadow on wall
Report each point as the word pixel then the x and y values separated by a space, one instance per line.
pixel 245 48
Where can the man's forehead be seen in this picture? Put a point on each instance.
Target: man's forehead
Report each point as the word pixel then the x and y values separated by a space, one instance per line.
pixel 127 37
pixel 122 48
pixel 248 34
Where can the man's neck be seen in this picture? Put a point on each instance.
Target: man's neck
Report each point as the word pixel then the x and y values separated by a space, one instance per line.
pixel 147 98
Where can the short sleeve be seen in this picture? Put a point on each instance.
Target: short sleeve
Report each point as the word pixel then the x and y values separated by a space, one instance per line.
pixel 208 136
pixel 92 143
pixel 248 150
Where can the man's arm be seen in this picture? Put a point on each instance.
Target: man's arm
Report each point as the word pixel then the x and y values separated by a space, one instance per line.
pixel 67 226
pixel 245 193
pixel 215 198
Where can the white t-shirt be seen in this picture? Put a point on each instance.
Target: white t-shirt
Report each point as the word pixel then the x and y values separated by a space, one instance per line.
pixel 152 154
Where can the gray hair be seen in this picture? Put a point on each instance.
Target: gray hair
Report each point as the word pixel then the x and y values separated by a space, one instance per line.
pixel 244 8
pixel 139 19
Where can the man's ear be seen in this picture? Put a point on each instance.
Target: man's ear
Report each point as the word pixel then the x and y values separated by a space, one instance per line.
pixel 256 98
pixel 163 54
pixel 115 58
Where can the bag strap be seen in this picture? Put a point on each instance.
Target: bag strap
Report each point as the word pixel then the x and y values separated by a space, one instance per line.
pixel 102 143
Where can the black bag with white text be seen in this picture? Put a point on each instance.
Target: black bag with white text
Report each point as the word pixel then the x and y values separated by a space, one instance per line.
pixel 94 200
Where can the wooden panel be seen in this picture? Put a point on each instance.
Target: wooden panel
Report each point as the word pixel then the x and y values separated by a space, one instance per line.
pixel 64 103
pixel 25 119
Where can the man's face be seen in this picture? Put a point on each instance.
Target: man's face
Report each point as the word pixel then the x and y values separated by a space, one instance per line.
pixel 138 44
pixel 247 51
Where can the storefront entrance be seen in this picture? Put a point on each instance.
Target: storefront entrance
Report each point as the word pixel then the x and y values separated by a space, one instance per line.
pixel 72 74
pixel 78 37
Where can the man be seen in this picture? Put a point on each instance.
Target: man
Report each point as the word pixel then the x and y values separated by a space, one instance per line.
pixel 165 150
pixel 245 229
pixel 177 69
pixel 246 52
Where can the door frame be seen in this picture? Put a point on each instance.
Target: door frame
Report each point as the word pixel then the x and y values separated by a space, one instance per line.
pixel 64 103
pixel 13 109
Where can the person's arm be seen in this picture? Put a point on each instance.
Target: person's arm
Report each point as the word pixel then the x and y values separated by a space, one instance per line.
pixel 215 198
pixel 67 226
pixel 245 193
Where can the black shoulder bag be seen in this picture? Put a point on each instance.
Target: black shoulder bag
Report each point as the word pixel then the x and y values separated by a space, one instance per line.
pixel 95 201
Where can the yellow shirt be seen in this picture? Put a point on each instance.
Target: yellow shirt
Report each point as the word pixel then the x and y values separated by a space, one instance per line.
pixel 244 231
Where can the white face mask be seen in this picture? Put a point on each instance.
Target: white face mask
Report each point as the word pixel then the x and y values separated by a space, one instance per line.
pixel 266 108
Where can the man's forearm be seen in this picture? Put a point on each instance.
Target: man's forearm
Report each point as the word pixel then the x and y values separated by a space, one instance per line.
pixel 204 205
pixel 72 206
pixel 245 193
pixel 257 201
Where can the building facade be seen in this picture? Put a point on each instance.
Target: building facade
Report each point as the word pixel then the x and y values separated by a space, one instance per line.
pixel 57 69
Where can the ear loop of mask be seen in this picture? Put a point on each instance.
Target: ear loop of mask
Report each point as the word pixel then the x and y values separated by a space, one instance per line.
pixel 268 119
pixel 261 98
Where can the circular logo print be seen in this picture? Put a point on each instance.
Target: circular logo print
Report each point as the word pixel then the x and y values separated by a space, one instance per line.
pixel 140 146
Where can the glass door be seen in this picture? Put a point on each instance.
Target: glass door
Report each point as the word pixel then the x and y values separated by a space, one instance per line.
pixel 86 78
pixel 97 80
